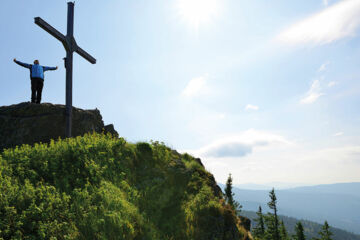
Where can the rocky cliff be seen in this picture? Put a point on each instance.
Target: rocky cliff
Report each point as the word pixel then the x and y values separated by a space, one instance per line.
pixel 28 123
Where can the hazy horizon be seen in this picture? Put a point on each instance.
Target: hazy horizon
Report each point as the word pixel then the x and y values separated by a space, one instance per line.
pixel 280 185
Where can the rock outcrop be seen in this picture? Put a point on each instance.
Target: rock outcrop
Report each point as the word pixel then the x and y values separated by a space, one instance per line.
pixel 28 123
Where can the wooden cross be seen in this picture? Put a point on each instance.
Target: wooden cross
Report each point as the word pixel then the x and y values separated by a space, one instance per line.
pixel 70 46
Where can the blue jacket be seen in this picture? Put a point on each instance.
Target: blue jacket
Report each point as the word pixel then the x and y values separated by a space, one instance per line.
pixel 36 70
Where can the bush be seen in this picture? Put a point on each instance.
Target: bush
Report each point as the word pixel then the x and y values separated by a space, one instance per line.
pixel 101 187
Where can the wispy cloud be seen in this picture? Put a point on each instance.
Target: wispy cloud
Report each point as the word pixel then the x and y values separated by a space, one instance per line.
pixel 228 149
pixel 313 94
pixel 195 87
pixel 332 83
pixel 338 134
pixel 240 145
pixel 325 2
pixel 333 23
pixel 251 107
pixel 323 66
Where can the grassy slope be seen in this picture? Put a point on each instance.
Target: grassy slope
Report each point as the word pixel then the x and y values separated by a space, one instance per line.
pixel 100 187
pixel 311 228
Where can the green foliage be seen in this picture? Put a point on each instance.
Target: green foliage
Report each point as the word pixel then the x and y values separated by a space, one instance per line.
pixel 283 232
pixel 208 219
pixel 101 187
pixel 299 232
pixel 311 229
pixel 229 196
pixel 259 230
pixel 34 211
pixel 272 219
pixel 325 233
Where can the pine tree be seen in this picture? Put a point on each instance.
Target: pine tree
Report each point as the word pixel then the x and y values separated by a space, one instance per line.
pixel 272 219
pixel 299 232
pixel 283 232
pixel 229 196
pixel 325 233
pixel 259 230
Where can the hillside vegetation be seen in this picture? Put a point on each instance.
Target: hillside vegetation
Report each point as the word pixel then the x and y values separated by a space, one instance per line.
pixel 102 187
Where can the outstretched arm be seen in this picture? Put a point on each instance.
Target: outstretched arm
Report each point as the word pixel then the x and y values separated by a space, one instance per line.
pixel 25 65
pixel 50 68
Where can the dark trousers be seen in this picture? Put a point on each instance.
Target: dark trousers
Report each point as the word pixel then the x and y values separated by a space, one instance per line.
pixel 36 89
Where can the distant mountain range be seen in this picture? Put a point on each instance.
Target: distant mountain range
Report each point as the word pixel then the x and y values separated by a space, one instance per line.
pixel 339 204
pixel 311 229
pixel 269 186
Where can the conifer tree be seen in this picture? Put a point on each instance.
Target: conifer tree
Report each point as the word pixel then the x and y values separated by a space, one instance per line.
pixel 325 233
pixel 283 232
pixel 272 219
pixel 259 230
pixel 229 196
pixel 299 232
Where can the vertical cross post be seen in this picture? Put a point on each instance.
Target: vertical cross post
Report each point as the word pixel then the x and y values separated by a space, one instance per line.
pixel 70 46
pixel 69 68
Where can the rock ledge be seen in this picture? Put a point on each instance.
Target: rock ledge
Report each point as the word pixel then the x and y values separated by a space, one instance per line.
pixel 29 123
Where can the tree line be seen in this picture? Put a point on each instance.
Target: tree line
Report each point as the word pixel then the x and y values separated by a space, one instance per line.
pixel 269 226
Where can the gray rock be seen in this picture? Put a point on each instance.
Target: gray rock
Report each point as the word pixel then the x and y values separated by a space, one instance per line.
pixel 29 123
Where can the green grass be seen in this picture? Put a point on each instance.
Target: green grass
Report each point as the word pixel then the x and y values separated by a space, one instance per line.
pixel 101 187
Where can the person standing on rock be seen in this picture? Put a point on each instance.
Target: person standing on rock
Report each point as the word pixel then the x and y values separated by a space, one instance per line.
pixel 37 78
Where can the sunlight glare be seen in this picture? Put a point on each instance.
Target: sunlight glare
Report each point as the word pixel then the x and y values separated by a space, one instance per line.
pixel 197 12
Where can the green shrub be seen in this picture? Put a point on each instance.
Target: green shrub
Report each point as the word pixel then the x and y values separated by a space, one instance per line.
pixel 101 187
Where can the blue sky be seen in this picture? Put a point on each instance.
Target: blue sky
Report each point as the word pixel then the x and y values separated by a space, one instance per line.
pixel 268 91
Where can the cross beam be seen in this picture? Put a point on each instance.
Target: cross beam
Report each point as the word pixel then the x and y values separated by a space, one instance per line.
pixel 70 46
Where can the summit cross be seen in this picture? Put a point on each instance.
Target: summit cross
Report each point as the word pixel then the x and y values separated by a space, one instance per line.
pixel 70 46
